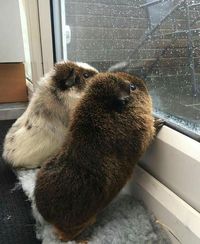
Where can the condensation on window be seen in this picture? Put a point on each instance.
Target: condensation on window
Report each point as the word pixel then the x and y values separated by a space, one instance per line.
pixel 158 40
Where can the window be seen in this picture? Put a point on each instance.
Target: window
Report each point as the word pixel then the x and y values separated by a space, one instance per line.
pixel 158 40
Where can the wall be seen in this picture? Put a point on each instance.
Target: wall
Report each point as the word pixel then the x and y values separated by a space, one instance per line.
pixel 11 43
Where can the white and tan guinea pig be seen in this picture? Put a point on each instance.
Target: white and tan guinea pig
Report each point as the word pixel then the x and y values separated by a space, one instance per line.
pixel 41 130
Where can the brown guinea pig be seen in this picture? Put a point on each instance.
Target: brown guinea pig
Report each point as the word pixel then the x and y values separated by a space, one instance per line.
pixel 41 130
pixel 111 127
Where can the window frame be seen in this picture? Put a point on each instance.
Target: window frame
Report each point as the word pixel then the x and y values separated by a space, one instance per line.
pixel 158 181
pixel 172 213
pixel 38 21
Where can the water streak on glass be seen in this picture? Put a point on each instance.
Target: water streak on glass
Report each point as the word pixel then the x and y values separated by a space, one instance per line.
pixel 158 40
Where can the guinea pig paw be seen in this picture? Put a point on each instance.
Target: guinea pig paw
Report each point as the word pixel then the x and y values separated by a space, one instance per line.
pixel 158 124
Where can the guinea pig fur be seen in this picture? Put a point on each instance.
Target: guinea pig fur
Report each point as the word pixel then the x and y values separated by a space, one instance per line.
pixel 111 127
pixel 41 130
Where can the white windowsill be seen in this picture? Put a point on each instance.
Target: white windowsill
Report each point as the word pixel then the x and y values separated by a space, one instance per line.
pixel 177 217
pixel 174 159
pixel 167 181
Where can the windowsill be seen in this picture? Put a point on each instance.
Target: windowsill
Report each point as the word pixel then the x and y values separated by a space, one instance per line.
pixel 167 181
pixel 9 111
pixel 174 160
pixel 178 218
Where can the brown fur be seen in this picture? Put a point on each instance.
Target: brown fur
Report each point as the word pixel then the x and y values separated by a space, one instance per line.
pixel 111 128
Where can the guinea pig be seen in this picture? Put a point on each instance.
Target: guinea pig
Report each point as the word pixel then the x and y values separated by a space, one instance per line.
pixel 41 130
pixel 111 127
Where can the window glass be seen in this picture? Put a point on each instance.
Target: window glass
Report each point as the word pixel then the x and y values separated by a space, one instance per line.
pixel 158 40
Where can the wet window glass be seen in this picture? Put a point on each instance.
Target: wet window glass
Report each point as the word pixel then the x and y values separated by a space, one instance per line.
pixel 158 40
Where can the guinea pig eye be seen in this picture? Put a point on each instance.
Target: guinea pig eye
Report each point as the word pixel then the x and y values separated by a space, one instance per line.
pixel 86 75
pixel 132 87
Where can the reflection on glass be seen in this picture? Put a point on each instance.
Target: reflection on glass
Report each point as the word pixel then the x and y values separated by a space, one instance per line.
pixel 158 40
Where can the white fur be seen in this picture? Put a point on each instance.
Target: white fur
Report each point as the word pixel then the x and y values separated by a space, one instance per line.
pixel 30 148
pixel 86 66
pixel 82 65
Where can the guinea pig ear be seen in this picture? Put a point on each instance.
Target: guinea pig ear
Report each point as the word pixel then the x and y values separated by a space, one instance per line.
pixel 120 102
pixel 65 78
pixel 124 96
pixel 71 79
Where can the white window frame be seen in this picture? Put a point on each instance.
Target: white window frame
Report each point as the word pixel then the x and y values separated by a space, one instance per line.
pixel 38 18
pixel 46 34
pixel 162 188
pixel 172 196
